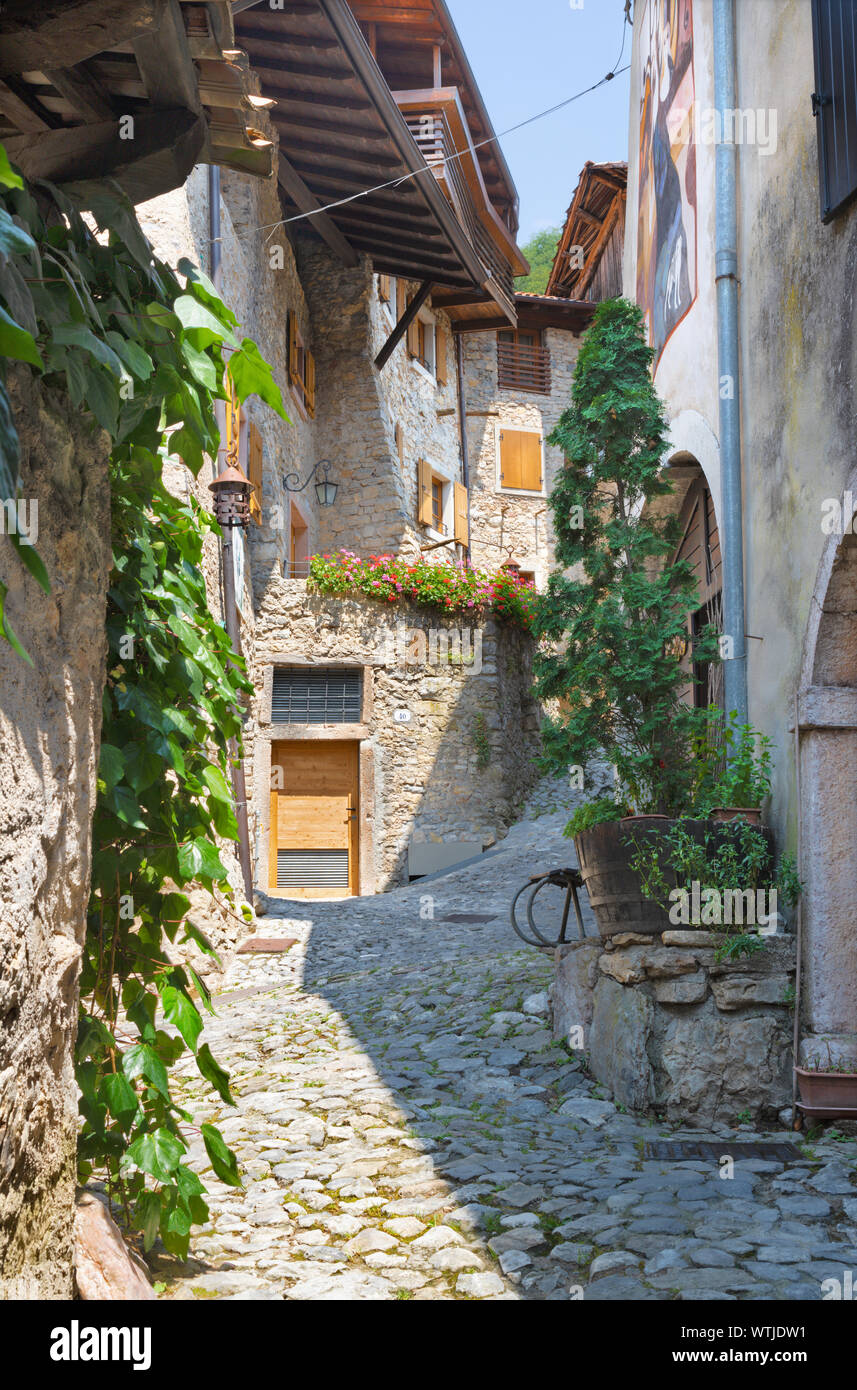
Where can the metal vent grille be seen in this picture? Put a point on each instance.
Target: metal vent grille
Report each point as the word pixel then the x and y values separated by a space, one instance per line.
pixel 314 868
pixel 316 696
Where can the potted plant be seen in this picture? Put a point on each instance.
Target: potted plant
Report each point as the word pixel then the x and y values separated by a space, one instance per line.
pixel 827 1092
pixel 614 614
pixel 742 779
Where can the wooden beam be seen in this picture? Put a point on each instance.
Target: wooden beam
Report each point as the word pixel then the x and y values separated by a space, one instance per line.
pixel 166 66
pixel 165 147
pixel 62 33
pixel 403 325
pixel 305 201
pixel 86 94
pixel 19 112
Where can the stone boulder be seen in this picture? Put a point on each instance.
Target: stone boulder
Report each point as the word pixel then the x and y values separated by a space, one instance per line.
pixel 104 1267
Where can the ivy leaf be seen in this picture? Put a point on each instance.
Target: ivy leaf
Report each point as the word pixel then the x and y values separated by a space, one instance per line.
pixel 111 765
pixel 157 1154
pixel 199 938
pixel 143 1061
pixel 193 315
pixel 138 362
pixel 102 399
pixel 14 241
pixel 32 560
pixel 9 445
pixel 202 368
pixel 9 632
pixel 118 1095
pixel 222 1158
pixel 217 784
pixel 17 343
pixel 77 335
pixel 125 806
pixel 148 1214
pixel 251 375
pixel 200 859
pixel 214 1073
pixel 8 177
pixel 183 1014
pixel 204 290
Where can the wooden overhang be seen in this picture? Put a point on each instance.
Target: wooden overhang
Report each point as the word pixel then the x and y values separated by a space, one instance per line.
pixel 597 209
pixel 342 133
pixel 72 73
pixel 535 311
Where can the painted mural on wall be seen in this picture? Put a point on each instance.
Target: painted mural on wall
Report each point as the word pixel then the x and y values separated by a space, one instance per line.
pixel 666 239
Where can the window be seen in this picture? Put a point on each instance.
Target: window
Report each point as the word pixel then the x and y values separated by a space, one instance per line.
pixel 437 504
pixel 427 346
pixel 301 368
pixel 316 695
pixel 834 30
pixel 523 361
pixel 443 506
pixel 520 461
pixel 385 288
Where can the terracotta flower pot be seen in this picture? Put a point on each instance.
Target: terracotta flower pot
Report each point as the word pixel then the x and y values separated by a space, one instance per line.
pixel 751 814
pixel 827 1095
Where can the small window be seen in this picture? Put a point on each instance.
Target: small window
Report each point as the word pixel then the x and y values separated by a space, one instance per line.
pixel 316 695
pixel 421 343
pixel 301 367
pixel 835 101
pixel 437 504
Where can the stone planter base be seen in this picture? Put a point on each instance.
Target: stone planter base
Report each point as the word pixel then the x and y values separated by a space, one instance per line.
pixel 669 1030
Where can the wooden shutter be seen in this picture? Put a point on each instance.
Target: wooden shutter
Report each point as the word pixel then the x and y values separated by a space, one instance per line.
pixel 521 460
pixel 294 371
pixel 510 458
pixel 462 529
pixel 835 101
pixel 309 392
pixel 400 441
pixel 384 288
pixel 531 463
pixel 401 298
pixel 424 480
pixel 440 354
pixel 414 335
pixel 254 471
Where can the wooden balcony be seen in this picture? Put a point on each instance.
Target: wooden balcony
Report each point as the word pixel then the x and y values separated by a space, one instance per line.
pixel 438 124
pixel 521 367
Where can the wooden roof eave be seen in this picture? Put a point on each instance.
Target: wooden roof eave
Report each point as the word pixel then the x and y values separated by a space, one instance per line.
pixel 349 33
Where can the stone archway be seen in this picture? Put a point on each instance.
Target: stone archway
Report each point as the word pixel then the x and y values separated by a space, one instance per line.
pixel 827 721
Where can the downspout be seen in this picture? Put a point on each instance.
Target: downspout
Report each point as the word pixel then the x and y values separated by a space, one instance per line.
pixel 726 273
pixel 227 569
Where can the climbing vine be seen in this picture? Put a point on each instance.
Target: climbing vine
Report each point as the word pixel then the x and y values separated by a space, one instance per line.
pixel 145 357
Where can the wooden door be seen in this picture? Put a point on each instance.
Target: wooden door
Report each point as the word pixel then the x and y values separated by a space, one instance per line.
pixel 315 838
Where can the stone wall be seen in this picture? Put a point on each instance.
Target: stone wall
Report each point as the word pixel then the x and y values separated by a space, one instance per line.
pixel 456 771
pixel 501 521
pixel 670 1030
pixel 50 725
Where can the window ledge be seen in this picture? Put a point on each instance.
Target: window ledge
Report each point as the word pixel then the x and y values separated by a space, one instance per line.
pixel 418 366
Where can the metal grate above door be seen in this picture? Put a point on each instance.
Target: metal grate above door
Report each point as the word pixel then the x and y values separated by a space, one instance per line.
pixel 316 695
pixel 314 868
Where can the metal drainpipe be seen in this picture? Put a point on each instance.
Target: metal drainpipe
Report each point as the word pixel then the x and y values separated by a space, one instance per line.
pixel 227 571
pixel 726 272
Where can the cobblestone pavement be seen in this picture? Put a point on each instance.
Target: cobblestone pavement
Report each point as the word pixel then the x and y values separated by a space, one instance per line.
pixel 407 1128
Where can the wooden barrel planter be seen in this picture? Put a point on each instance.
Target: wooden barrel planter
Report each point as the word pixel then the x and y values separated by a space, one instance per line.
pixel 615 889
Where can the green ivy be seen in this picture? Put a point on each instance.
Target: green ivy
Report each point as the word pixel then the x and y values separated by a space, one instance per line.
pixel 144 357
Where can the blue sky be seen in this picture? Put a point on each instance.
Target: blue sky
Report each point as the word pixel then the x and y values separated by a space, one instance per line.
pixel 529 54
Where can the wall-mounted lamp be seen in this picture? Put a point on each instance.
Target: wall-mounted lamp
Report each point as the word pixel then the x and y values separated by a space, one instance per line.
pixel 325 490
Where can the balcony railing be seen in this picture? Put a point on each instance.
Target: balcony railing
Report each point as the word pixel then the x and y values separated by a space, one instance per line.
pixel 437 122
pixel 524 367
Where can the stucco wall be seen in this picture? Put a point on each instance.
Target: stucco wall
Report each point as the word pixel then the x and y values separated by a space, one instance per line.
pixel 50 725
